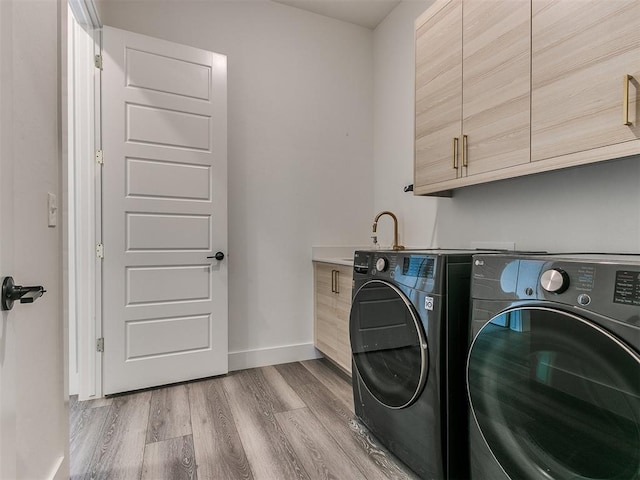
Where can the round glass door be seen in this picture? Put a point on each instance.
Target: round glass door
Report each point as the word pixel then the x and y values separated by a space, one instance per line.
pixel 556 396
pixel 388 344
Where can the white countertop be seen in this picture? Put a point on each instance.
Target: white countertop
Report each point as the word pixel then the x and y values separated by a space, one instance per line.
pixel 335 261
pixel 338 255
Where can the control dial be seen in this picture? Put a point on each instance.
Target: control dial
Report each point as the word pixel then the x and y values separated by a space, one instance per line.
pixel 382 264
pixel 555 280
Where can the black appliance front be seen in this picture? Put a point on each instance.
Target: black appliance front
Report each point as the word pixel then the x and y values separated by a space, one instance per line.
pixel 554 369
pixel 401 319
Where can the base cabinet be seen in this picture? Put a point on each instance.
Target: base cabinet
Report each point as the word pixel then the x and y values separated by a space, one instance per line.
pixel 332 305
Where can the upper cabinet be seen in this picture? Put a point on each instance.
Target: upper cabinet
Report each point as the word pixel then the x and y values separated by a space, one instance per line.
pixel 496 64
pixel 506 88
pixel 582 53
pixel 438 94
pixel 472 90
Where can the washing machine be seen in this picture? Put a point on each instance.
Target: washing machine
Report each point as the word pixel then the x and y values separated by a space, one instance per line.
pixel 409 333
pixel 553 370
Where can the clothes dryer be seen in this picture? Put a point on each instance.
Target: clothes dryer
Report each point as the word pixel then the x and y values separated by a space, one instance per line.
pixel 409 333
pixel 553 371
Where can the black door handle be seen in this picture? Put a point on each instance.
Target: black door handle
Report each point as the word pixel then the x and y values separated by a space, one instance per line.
pixel 12 292
pixel 218 256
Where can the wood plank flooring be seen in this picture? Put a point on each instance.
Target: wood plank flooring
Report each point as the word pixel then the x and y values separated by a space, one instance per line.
pixel 291 421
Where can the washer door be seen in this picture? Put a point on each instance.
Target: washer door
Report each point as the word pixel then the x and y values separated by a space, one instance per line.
pixel 556 396
pixel 388 344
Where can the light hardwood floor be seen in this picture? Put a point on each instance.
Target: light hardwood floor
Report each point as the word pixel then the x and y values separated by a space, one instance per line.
pixel 291 421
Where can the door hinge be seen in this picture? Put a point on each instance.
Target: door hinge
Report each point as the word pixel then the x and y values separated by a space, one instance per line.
pixel 98 61
pixel 100 250
pixel 100 344
pixel 99 157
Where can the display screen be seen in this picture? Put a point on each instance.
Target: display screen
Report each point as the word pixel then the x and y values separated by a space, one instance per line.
pixel 418 266
pixel 627 290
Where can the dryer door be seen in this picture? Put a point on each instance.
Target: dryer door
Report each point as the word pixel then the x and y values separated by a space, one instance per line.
pixel 388 344
pixel 555 396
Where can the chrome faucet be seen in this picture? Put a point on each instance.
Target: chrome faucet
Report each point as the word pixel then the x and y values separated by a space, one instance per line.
pixel 395 229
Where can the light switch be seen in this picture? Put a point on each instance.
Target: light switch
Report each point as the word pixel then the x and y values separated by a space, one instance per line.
pixel 52 207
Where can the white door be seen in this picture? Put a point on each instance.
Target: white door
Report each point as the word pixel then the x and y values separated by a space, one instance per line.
pixel 34 422
pixel 164 212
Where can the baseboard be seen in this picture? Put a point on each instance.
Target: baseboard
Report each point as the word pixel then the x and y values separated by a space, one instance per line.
pixel 59 469
pixel 272 356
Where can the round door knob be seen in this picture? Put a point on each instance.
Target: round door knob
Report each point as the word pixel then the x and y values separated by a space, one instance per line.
pixel 218 256
pixel 382 264
pixel 555 280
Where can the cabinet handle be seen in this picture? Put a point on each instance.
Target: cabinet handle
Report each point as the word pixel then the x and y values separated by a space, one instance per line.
pixel 333 281
pixel 626 80
pixel 464 151
pixel 337 281
pixel 455 153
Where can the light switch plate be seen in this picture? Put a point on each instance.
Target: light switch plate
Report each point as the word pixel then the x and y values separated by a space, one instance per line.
pixel 52 208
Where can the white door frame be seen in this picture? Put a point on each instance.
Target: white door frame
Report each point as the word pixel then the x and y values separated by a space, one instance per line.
pixel 83 204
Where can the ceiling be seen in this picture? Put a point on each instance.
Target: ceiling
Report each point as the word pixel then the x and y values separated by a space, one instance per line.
pixel 366 13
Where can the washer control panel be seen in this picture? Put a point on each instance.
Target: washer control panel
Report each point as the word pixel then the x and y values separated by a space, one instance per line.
pixel 419 270
pixel 627 287
pixel 555 280
pixel 382 264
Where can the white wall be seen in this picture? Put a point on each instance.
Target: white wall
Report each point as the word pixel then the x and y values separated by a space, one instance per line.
pixel 300 148
pixel 393 128
pixel 591 208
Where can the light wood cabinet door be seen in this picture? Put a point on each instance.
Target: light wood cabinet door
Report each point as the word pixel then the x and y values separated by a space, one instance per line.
pixel 496 84
pixel 333 288
pixel 438 95
pixel 473 72
pixel 581 50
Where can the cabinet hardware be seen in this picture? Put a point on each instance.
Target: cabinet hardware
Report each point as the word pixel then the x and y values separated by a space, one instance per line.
pixel 337 281
pixel 333 281
pixel 455 153
pixel 626 80
pixel 464 151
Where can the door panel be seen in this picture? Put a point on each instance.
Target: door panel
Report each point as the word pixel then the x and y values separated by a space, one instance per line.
pixel 163 127
pixel 152 231
pixel 178 77
pixel 496 83
pixel 164 212
pixel 580 53
pixel 438 95
pixel 156 179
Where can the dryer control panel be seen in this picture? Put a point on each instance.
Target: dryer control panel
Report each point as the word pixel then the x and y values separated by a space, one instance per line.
pixel 609 286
